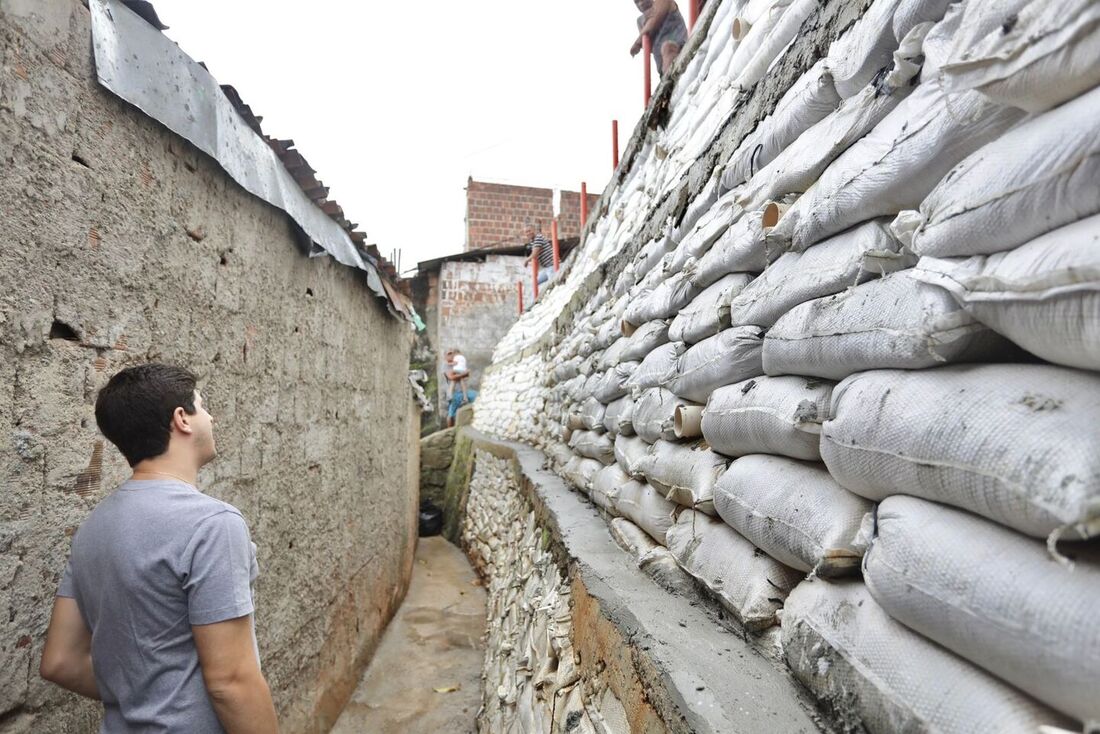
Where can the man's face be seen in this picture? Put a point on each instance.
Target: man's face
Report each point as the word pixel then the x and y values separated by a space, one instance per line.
pixel 643 5
pixel 204 432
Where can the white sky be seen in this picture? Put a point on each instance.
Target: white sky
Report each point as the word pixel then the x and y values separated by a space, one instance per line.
pixel 396 103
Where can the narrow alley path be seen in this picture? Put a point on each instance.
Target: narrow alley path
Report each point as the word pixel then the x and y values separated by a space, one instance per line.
pixel 426 675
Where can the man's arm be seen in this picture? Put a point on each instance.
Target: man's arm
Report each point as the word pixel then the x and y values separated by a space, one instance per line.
pixel 653 21
pixel 232 676
pixel 67 657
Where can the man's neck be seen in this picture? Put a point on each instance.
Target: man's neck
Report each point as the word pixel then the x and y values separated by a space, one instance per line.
pixel 165 468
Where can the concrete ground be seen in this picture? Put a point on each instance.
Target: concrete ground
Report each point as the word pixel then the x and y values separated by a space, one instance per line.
pixel 426 675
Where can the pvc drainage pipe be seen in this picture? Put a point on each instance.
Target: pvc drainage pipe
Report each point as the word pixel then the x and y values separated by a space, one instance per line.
pixel 688 421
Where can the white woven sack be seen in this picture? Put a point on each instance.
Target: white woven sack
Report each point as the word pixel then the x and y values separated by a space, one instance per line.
pixel 875 674
pixel 709 312
pixel 1011 442
pixel 605 487
pixel 714 221
pixel 645 339
pixel 653 559
pixel 614 353
pixel 566 370
pixel 593 445
pixel 608 332
pixel 994 597
pixel 592 414
pixel 809 99
pixel 852 257
pixel 612 384
pixel 896 322
pixel 654 415
pixel 911 13
pixel 895 165
pixel 793 511
pixel 730 356
pixel 645 507
pixel 686 473
pixel 576 388
pixel 658 368
pixel 768 415
pixel 668 297
pixel 1032 55
pixel 629 451
pixel 798 165
pixel 650 256
pixel 1040 175
pixel 580 470
pixel 617 417
pixel 1044 296
pixel 740 249
pixel 778 38
pixel 857 56
pixel 750 584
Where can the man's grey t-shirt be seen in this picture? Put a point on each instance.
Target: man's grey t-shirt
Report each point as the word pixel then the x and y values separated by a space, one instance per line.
pixel 152 559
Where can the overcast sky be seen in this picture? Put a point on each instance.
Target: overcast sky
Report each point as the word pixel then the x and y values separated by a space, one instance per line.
pixel 396 103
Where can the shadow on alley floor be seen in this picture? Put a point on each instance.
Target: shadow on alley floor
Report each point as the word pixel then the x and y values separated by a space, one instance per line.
pixel 426 675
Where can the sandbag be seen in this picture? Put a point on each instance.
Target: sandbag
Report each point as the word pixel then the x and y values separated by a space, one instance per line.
pixel 741 249
pixel 896 322
pixel 629 451
pixel 607 333
pixel 709 312
pixel 793 511
pixel 566 370
pixel 1031 55
pixel 591 415
pixel 1044 296
pixel 576 388
pixel 857 56
pixel 617 417
pixel 613 355
pixel 723 359
pixel 658 368
pixel 686 473
pixel 808 100
pixel 593 445
pixel 645 507
pixel 777 39
pixel 580 470
pixel 612 385
pixel 1042 174
pixel 872 671
pixel 750 584
pixel 709 228
pixel 855 256
pixel 798 165
pixel 666 298
pixel 910 13
pixel 644 340
pixel 768 415
pixel 653 559
pixel 895 165
pixel 605 487
pixel 654 415
pixel 992 596
pixel 1010 442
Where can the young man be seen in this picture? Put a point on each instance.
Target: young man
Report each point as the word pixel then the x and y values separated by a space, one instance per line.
pixel 539 248
pixel 662 22
pixel 153 616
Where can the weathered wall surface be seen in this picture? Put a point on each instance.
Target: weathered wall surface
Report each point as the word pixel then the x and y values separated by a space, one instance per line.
pixel 123 244
pixel 478 303
pixel 498 214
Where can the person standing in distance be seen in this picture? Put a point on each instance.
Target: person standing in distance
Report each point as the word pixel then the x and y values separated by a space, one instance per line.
pixel 153 615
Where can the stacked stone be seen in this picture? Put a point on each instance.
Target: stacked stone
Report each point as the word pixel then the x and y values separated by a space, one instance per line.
pixel 863 360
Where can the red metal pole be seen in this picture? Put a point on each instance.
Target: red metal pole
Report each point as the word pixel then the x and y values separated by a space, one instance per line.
pixel 554 238
pixel 519 290
pixel 534 276
pixel 693 14
pixel 584 204
pixel 647 53
pixel 614 144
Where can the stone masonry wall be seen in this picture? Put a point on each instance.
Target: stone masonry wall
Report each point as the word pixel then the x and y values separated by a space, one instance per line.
pixel 124 244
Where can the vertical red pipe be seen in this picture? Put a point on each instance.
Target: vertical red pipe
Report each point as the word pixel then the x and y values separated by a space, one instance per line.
pixel 534 278
pixel 519 290
pixel 693 14
pixel 614 145
pixel 584 205
pixel 647 53
pixel 554 239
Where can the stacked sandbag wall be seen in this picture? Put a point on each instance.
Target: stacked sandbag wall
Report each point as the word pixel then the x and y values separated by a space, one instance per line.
pixel 851 384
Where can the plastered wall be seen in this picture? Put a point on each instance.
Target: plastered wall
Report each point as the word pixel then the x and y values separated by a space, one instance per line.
pixel 121 244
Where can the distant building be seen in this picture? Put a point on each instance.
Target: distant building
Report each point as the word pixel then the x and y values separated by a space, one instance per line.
pixel 497 214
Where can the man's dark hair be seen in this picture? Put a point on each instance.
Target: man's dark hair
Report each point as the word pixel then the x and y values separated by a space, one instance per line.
pixel 134 409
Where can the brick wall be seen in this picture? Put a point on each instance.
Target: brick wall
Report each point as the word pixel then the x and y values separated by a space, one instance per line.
pixel 496 214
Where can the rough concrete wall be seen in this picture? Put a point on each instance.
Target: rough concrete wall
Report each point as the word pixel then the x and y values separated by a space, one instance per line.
pixel 497 215
pixel 122 243
pixel 477 305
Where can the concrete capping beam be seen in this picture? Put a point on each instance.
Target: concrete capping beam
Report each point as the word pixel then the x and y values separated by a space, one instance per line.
pixel 698 675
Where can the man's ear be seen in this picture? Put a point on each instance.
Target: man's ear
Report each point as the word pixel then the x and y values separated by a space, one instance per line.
pixel 181 421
